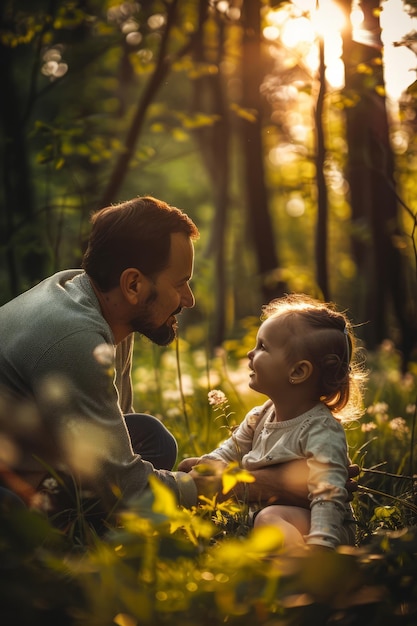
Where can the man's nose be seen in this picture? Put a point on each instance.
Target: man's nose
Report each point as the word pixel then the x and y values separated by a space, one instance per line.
pixel 188 299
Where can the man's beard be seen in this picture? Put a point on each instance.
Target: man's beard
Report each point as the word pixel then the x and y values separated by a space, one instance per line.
pixel 162 335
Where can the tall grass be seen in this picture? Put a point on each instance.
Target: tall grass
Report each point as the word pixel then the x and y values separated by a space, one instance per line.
pixel 382 442
pixel 164 565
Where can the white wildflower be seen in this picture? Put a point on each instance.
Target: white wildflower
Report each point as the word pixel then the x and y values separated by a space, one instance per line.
pixel 387 346
pixel 51 485
pixel 399 426
pixel 171 395
pixel 104 354
pixel 378 408
pixel 85 446
pixel 367 427
pixel 40 501
pixel 408 381
pixel 187 384
pixel 217 398
pixel 220 352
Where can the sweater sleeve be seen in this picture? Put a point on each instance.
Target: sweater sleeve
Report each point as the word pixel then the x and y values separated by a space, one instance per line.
pixel 241 440
pixel 80 403
pixel 325 447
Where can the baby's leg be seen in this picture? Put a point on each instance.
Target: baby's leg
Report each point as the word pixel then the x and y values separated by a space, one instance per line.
pixel 293 521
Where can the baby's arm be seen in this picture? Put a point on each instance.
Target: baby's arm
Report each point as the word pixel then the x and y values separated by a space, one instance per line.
pixel 328 475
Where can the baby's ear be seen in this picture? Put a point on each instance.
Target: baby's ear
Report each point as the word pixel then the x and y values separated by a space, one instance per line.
pixel 300 372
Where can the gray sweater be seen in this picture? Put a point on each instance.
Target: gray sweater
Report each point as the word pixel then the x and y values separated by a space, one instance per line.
pixel 65 387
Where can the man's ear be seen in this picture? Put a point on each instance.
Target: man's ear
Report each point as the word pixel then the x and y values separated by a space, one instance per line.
pixel 131 283
pixel 301 371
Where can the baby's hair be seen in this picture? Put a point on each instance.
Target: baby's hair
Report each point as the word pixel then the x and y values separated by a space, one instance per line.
pixel 329 343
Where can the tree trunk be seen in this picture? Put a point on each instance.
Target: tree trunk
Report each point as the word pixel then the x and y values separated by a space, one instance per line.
pixel 214 140
pixel 382 295
pixel 322 200
pixel 120 170
pixel 260 223
pixel 17 206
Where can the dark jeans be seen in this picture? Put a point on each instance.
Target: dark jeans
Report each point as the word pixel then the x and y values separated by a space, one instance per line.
pixel 152 440
pixel 149 437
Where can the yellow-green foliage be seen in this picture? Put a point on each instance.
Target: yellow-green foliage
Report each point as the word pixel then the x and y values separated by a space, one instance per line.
pixel 161 564
pixel 165 565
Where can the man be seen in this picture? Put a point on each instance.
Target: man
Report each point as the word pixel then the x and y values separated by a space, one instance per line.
pixel 65 362
pixel 66 350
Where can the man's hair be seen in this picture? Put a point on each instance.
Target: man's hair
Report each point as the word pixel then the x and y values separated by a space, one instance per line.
pixel 135 233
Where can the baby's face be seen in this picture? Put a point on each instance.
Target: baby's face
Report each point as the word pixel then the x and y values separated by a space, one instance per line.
pixel 268 361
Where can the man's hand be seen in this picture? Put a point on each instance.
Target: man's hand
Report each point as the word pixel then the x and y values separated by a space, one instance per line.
pixel 186 465
pixel 286 483
pixel 206 473
pixel 208 485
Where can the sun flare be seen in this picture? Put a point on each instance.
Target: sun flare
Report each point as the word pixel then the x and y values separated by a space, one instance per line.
pixel 300 25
